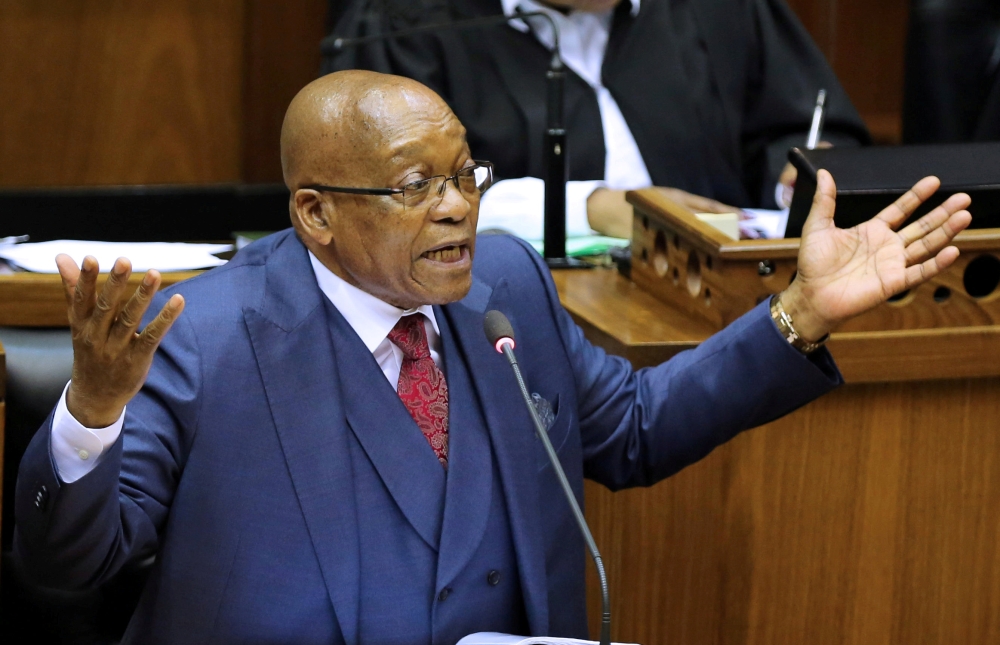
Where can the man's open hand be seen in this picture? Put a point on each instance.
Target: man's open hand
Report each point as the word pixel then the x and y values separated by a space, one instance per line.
pixel 110 357
pixel 845 272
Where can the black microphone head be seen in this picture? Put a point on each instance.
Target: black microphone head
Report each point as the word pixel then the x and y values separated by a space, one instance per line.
pixel 497 329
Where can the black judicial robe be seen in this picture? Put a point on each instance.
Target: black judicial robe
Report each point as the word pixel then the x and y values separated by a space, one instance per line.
pixel 714 91
pixel 952 90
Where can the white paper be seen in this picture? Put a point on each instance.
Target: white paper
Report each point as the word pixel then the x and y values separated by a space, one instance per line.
pixel 493 638
pixel 163 256
pixel 517 206
pixel 726 223
pixel 770 224
pixel 585 245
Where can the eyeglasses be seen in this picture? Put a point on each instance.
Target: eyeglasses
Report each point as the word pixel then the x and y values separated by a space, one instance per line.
pixel 471 181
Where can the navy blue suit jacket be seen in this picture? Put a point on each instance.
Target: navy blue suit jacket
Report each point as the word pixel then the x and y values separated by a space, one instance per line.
pixel 235 464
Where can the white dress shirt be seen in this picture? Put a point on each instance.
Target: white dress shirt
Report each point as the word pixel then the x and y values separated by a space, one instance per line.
pixel 517 204
pixel 77 450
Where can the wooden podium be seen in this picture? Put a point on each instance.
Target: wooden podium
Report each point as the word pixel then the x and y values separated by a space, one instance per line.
pixel 869 516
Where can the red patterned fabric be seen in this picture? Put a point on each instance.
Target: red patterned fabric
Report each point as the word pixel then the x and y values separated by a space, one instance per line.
pixel 422 387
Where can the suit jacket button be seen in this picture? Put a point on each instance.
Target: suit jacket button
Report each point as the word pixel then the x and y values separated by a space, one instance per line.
pixel 444 594
pixel 41 497
pixel 493 578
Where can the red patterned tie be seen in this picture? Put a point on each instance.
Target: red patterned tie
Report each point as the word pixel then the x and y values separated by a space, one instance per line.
pixel 422 387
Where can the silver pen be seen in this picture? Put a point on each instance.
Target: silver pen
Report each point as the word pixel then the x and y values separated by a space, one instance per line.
pixel 816 129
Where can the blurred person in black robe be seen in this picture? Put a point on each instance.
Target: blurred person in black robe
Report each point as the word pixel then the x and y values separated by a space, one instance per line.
pixel 702 96
pixel 952 72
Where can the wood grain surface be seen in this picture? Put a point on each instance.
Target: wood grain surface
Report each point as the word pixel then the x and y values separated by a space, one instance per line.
pixel 120 92
pixel 700 271
pixel 39 300
pixel 281 56
pixel 625 320
pixel 866 517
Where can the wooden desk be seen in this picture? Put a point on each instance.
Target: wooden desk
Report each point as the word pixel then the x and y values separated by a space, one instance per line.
pixel 869 516
pixel 37 300
pixel 625 320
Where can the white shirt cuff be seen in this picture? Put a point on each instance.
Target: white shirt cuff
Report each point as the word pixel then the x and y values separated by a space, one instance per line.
pixel 518 206
pixel 77 450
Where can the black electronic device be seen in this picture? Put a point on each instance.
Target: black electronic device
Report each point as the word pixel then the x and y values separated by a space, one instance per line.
pixel 869 179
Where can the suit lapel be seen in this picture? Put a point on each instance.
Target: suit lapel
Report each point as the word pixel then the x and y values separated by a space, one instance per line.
pixel 512 437
pixel 470 464
pixel 288 332
pixel 391 439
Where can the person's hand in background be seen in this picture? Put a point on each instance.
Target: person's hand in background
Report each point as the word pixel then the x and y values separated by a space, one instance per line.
pixel 611 215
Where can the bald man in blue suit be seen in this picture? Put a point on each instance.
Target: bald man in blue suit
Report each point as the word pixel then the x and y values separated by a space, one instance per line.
pixel 267 461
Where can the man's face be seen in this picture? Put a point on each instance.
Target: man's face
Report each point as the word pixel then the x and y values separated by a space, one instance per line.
pixel 408 255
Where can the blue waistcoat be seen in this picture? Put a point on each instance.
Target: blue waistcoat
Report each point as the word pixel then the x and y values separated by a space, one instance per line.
pixel 434 543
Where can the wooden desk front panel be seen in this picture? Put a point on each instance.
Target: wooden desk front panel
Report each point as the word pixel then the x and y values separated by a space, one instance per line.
pixel 869 516
pixel 39 300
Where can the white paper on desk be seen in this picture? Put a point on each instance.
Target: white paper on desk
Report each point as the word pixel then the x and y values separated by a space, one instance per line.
pixel 40 257
pixel 493 638
pixel 770 224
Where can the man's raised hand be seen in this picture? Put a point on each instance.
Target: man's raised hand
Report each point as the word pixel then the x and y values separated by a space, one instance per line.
pixel 845 272
pixel 110 356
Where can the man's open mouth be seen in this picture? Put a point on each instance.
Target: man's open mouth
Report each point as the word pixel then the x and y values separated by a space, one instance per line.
pixel 452 253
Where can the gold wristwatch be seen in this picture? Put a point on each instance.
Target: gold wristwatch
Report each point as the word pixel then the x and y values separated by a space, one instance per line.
pixel 786 327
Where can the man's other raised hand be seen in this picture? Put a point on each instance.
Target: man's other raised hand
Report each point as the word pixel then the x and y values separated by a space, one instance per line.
pixel 845 272
pixel 111 357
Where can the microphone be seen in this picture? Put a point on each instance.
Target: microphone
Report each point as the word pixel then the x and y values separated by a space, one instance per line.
pixel 501 336
pixel 555 151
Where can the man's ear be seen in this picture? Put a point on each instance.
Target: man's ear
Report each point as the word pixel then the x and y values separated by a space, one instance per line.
pixel 314 215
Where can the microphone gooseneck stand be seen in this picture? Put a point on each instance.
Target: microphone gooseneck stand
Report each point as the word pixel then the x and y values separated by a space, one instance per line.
pixel 556 171
pixel 501 335
pixel 556 168
pixel 577 512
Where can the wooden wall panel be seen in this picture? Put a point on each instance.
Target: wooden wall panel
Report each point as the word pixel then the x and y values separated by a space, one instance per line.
pixel 282 55
pixel 866 517
pixel 193 91
pixel 865 42
pixel 120 91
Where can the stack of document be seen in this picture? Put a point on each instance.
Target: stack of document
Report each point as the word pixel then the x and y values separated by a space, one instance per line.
pixel 162 256
pixel 765 223
pixel 492 638
pixel 585 245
